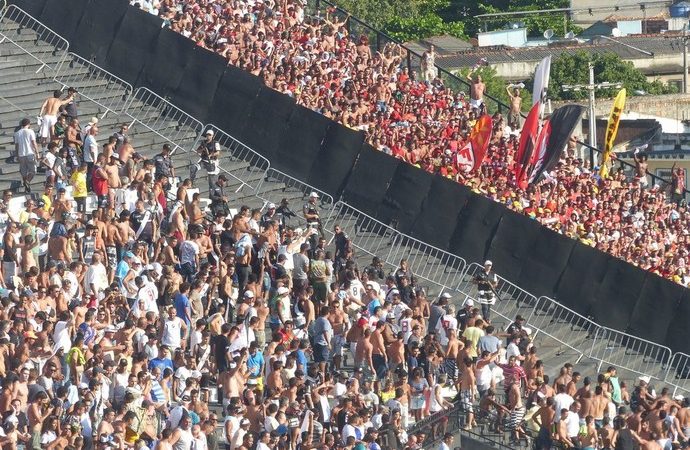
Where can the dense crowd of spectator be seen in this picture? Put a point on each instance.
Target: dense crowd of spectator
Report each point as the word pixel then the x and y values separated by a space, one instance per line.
pixel 418 119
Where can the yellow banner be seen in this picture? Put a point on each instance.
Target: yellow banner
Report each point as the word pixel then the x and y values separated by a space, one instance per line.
pixel 611 132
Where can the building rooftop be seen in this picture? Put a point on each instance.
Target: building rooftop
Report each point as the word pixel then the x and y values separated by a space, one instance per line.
pixel 444 45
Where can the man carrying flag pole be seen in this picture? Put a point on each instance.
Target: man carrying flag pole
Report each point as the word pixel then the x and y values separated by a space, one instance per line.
pixel 611 132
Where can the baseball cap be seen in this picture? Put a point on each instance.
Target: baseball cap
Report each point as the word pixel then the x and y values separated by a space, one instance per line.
pixel 33 216
pixel 209 132
pixel 129 255
pixel 249 294
pixel 313 195
pixel 488 263
pixel 445 295
pixel 469 302
pixel 271 206
pixel 283 290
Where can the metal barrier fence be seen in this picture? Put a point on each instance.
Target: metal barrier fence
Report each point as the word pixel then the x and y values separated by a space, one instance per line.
pixel 678 374
pixel 177 128
pixel 232 152
pixel 558 322
pixel 631 353
pixel 326 201
pixel 14 20
pixel 510 296
pixel 103 88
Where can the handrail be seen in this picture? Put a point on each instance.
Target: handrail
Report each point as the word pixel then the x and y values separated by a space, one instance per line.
pixel 87 84
pixel 43 33
pixel 455 78
pixel 678 373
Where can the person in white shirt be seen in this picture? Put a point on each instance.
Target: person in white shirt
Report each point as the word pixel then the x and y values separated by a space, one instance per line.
pixel 353 428
pixel 562 401
pixel 27 152
pixel 447 324
pixel 96 278
pixel 447 442
pixel 264 441
pixel 173 328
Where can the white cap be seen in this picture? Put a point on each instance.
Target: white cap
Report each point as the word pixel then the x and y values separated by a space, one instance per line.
pixel 283 290
pixel 469 302
pixel 313 195
pixel 679 398
pixel 209 132
pixel 94 120
pixel 488 263
pixel 271 205
pixel 375 286
pixel 445 295
pixel 111 329
pixel 299 231
pixel 195 374
pixel 645 378
pixel 249 294
pixel 33 216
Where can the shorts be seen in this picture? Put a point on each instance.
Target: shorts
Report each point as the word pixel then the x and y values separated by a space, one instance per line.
pixel 27 165
pixel 47 126
pixel 516 417
pixel 111 252
pixel 320 353
pixel 451 366
pixel 476 103
pixel 417 402
pixel 367 374
pixel 338 343
pixel 466 400
pixel 380 366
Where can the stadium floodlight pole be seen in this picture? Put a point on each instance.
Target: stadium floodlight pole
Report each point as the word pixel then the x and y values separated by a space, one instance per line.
pixel 591 87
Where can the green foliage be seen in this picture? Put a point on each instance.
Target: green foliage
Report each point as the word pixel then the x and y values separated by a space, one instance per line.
pixel 495 86
pixel 573 69
pixel 424 26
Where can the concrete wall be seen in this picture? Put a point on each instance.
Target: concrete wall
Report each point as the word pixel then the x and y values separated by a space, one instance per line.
pixel 603 9
pixel 674 106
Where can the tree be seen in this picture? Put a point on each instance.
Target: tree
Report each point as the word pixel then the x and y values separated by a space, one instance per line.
pixel 496 87
pixel 573 69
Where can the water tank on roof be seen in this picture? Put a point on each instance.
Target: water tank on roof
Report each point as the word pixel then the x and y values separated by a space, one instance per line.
pixel 680 9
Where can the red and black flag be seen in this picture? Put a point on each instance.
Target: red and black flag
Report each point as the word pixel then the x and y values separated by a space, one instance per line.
pixel 528 141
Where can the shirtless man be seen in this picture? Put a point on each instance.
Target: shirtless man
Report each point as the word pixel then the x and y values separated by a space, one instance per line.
pixel 178 226
pixel 112 170
pixel 262 312
pixel 168 251
pixel 641 168
pixel 396 352
pixel 544 418
pixel 363 353
pixel 21 390
pixel 684 417
pixel 112 241
pixel 58 249
pixel 109 148
pixel 126 153
pixel 599 406
pixel 451 356
pixel 72 137
pixel 468 387
pixel 477 90
pixel 338 320
pixel 49 112
pixel 126 232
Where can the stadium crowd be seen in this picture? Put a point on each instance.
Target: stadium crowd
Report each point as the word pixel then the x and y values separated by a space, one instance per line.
pixel 141 319
pixel 416 118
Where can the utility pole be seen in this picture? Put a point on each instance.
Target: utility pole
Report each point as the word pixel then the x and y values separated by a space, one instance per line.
pixel 591 88
pixel 685 59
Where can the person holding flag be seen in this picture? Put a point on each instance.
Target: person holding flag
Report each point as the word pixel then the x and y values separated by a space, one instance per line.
pixel 611 132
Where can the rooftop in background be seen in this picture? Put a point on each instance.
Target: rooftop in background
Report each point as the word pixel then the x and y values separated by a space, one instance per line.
pixel 444 45
pixel 659 44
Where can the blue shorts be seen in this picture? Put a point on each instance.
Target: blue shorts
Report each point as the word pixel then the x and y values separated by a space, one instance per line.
pixel 380 366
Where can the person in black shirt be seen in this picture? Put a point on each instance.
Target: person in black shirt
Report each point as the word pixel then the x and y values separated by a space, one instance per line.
pixel 220 348
pixel 284 214
pixel 219 202
pixel 70 109
pixel 341 246
pixel 209 152
pixel 375 270
pixel 464 314
pixel 164 164
pixel 142 222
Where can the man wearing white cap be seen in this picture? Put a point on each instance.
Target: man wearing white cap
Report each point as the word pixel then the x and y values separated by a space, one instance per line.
pixel 311 213
pixel 486 281
pixel 209 152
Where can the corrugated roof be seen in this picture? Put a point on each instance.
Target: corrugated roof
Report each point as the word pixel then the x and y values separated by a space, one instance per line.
pixel 444 45
pixel 659 45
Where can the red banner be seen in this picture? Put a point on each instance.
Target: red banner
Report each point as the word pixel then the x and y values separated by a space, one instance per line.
pixel 470 157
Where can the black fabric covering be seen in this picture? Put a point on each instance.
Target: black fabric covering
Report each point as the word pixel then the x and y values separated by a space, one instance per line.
pixel 31 7
pixel 233 102
pixel 63 17
pixel 135 41
pixel 300 142
pixel 653 312
pixel 617 295
pixel 333 165
pixel 514 238
pixel 163 70
pixel 580 281
pixel 267 120
pixel 545 262
pixel 403 200
pixel 475 228
pixel 436 221
pixel 369 180
pixel 678 333
pixel 199 83
pixel 97 29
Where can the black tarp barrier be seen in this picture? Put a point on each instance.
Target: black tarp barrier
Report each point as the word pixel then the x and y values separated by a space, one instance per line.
pixel 265 124
pixel 63 16
pixel 300 142
pixel 163 70
pixel 514 238
pixel 369 180
pixel 97 29
pixel 403 200
pixel 135 41
pixel 678 333
pixel 580 280
pixel 436 221
pixel 617 295
pixel 199 83
pixel 234 99
pixel 657 300
pixel 546 261
pixel 31 7
pixel 475 228
pixel 333 165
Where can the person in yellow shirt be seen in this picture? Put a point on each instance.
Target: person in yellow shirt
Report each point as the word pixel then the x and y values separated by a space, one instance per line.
pixel 78 181
pixel 47 198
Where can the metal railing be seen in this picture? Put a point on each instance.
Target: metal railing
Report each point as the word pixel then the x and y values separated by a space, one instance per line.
pixel 678 374
pixel 12 23
pixel 550 317
pixel 631 353
pixel 510 296
pixel 174 126
pixel 326 201
pixel 108 91
pixel 234 151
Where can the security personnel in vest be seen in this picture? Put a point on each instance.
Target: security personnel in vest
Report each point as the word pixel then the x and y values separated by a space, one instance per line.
pixel 209 152
pixel 486 281
pixel 219 202
pixel 311 213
